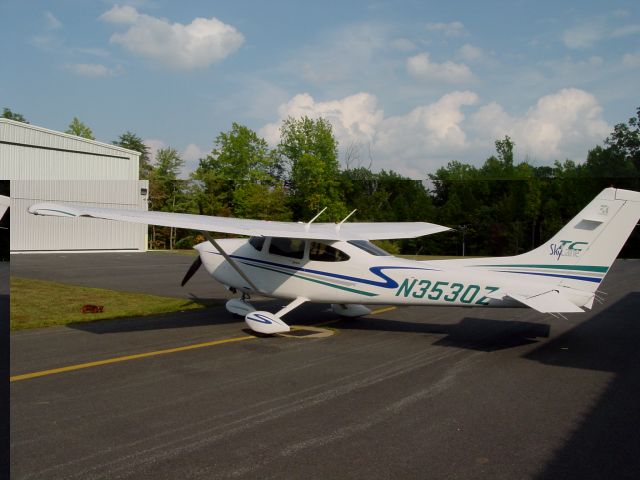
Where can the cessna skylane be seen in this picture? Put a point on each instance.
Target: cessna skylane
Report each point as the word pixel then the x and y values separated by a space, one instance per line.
pixel 336 263
pixel 4 205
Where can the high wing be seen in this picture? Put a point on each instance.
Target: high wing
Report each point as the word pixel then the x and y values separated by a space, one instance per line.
pixel 239 226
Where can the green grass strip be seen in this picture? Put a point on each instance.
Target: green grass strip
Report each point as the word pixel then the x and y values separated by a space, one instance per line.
pixel 39 303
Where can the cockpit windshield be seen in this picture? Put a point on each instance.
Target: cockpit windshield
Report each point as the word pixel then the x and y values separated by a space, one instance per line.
pixel 369 247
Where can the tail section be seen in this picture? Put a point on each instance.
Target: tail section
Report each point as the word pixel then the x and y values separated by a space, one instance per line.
pixel 582 252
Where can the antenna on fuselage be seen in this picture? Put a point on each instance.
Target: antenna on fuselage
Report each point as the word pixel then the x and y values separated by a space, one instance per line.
pixel 308 225
pixel 344 220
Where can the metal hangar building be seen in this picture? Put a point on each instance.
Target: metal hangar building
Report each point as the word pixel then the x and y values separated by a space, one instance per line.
pixel 49 166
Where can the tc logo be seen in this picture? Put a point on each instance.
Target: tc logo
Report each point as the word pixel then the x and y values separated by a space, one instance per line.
pixel 566 248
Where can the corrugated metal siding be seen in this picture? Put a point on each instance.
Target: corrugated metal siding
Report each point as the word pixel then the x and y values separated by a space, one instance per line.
pixel 37 233
pixel 45 165
pixel 34 153
pixel 27 163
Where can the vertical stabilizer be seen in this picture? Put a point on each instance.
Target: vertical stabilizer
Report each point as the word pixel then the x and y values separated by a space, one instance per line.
pixel 581 253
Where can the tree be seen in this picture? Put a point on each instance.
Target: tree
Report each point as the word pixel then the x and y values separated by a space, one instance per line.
pixel 241 177
pixel 241 156
pixel 625 139
pixel 131 141
pixel 311 153
pixel 165 189
pixel 18 117
pixel 79 129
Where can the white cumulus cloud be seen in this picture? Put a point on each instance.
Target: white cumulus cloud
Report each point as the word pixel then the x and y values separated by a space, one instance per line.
pixel 631 60
pixel 201 43
pixel 51 21
pixel 93 70
pixel 471 53
pixel 354 118
pixel 561 125
pixel 426 137
pixel 564 124
pixel 451 29
pixel 421 67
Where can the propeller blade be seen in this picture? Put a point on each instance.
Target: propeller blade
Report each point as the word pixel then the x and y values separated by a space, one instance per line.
pixel 192 269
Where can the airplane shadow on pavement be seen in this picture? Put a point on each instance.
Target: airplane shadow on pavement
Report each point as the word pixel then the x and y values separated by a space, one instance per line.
pixel 606 443
pixel 469 333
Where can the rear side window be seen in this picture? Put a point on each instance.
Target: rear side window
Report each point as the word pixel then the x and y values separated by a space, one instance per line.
pixel 369 248
pixel 322 252
pixel 257 242
pixel 287 247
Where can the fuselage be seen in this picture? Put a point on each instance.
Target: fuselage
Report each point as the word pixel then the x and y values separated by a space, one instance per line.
pixel 356 272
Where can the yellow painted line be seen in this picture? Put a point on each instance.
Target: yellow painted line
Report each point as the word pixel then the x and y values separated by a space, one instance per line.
pixel 383 310
pixel 126 358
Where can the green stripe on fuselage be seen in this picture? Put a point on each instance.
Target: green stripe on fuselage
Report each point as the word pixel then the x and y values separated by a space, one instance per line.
pixel 581 268
pixel 340 287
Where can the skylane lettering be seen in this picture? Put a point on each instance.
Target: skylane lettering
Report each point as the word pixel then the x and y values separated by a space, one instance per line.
pixel 448 292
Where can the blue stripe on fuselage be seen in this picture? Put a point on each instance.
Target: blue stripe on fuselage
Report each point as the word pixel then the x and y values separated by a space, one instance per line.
pixel 572 277
pixel 388 282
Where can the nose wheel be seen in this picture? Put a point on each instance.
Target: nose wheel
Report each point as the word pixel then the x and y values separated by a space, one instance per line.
pixel 269 323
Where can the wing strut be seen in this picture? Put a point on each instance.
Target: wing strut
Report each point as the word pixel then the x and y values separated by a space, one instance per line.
pixel 231 261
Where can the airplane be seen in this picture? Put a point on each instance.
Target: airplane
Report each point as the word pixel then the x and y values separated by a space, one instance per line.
pixel 336 263
pixel 4 205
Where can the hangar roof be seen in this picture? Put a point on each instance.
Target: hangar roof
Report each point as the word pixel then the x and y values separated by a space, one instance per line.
pixel 13 132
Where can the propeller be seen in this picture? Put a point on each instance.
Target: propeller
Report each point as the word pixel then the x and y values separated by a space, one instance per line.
pixel 192 269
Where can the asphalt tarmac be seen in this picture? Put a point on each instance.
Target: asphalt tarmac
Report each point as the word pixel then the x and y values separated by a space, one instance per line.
pixel 405 393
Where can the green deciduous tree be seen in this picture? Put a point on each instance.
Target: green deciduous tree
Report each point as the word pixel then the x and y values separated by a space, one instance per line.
pixel 311 154
pixel 241 177
pixel 131 141
pixel 166 192
pixel 625 139
pixel 76 127
pixel 18 117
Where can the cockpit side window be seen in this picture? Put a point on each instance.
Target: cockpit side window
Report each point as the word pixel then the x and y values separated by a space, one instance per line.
pixel 322 252
pixel 287 247
pixel 257 242
pixel 369 248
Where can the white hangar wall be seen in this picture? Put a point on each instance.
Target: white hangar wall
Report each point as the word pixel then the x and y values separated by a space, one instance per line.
pixel 45 165
pixel 31 233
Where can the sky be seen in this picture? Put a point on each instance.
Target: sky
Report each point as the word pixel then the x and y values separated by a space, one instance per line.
pixel 408 85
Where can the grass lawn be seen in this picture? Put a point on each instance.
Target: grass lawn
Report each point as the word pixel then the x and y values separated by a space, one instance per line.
pixel 38 303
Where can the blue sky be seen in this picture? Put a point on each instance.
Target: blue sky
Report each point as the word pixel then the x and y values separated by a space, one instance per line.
pixel 407 85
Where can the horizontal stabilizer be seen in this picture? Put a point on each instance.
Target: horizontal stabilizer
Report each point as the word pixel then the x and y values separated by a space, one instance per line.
pixel 551 301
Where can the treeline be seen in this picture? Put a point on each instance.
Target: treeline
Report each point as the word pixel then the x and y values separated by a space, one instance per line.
pixel 498 208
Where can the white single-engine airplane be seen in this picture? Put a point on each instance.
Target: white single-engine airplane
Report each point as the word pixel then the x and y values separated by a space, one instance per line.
pixel 4 205
pixel 336 263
